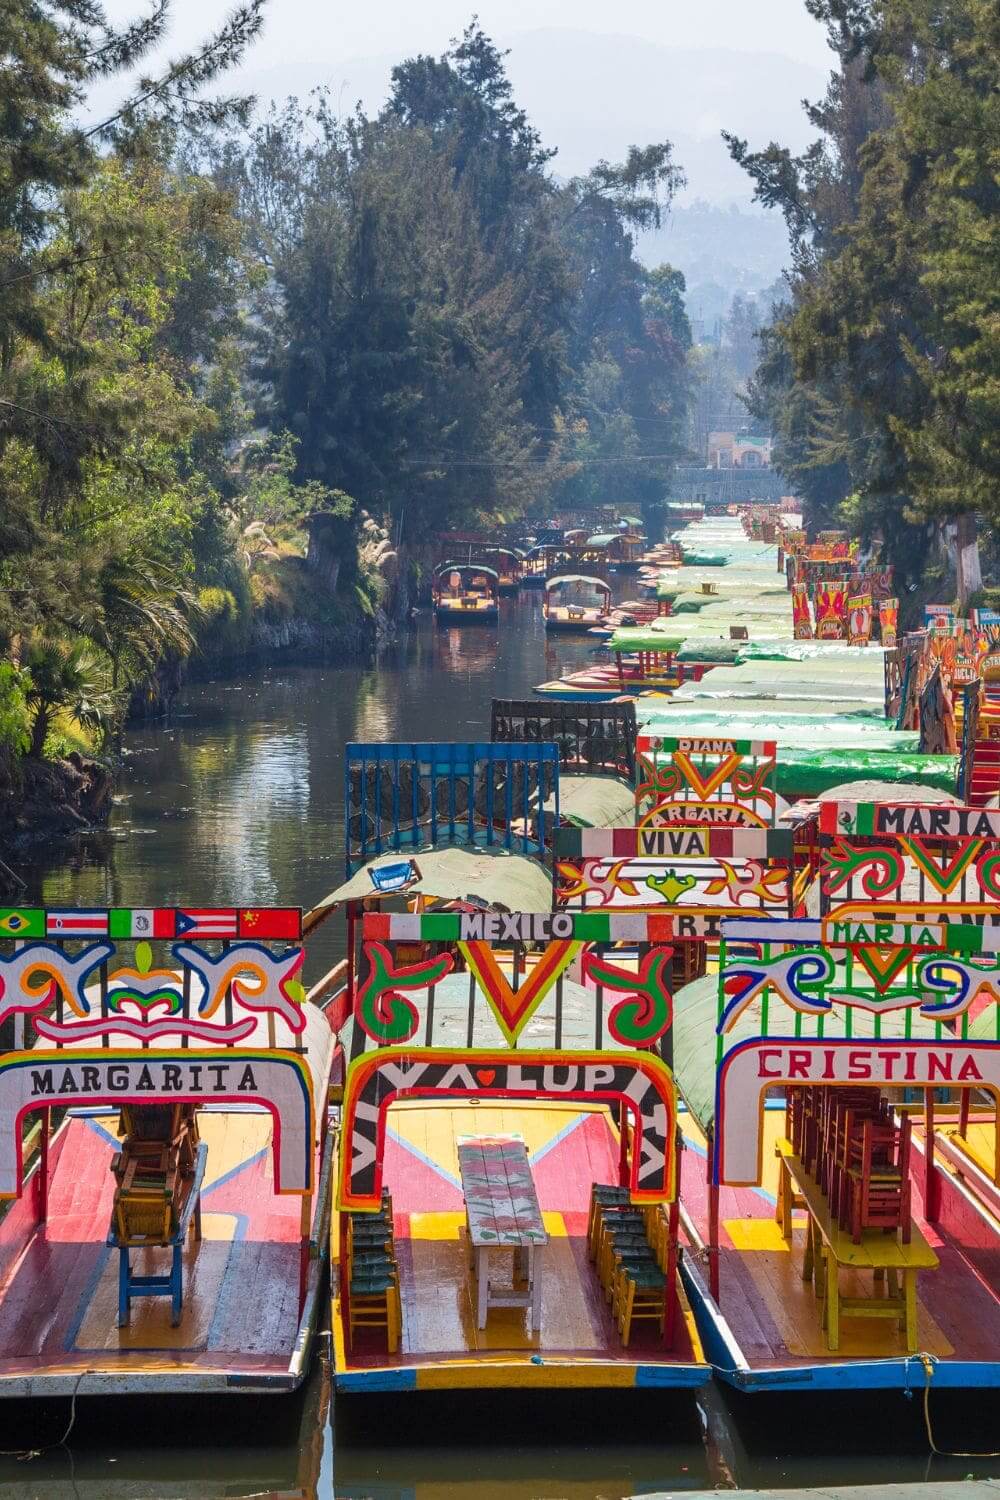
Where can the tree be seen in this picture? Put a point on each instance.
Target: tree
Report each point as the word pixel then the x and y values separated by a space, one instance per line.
pixel 62 260
pixel 893 319
pixel 62 676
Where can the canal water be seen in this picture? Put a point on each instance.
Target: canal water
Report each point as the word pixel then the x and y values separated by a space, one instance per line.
pixel 238 799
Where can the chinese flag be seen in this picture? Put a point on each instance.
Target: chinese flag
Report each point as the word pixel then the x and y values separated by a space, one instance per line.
pixel 268 922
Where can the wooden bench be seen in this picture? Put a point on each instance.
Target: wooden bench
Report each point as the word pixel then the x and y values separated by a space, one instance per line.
pixel 830 1249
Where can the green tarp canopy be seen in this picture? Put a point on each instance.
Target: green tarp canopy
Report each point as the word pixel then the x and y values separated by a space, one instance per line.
pixel 639 638
pixel 594 801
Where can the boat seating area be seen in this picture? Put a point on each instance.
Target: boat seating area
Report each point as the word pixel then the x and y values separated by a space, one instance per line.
pixel 830 1249
pixel 443 1339
pixel 774 1312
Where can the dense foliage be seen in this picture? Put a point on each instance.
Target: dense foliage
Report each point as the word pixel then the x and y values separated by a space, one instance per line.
pixel 236 357
pixel 881 374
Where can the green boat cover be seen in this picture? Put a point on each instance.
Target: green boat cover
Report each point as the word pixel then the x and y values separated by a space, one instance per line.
pixel 639 638
pixel 594 801
pixel 720 653
pixel 807 773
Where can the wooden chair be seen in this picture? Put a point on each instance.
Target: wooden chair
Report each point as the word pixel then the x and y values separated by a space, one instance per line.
pixel 602 1196
pixel 856 1107
pixel 640 1282
pixel 877 1191
pixel 153 1171
pixel 372 1277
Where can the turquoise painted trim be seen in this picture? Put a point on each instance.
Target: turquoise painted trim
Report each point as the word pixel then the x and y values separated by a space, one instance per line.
pixel 675 1377
pixel 375 1380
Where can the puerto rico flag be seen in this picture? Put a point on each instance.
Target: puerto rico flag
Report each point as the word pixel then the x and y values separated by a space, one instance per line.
pixel 207 922
pixel 76 923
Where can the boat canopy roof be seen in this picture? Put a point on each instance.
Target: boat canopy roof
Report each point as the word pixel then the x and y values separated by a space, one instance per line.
pixel 596 583
pixel 594 801
pixel 490 876
pixel 464 567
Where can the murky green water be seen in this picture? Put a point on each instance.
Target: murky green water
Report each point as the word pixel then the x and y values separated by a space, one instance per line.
pixel 239 800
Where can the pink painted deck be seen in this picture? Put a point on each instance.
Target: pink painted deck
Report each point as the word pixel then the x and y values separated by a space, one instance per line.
pixel 58 1280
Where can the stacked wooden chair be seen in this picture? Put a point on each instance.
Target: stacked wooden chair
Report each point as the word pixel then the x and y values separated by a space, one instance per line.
pixel 635 1256
pixel 372 1274
pixel 849 1143
pixel 875 1178
pixel 157 1202
pixel 153 1171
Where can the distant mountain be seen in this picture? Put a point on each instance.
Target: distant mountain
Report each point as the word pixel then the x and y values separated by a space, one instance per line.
pixel 721 251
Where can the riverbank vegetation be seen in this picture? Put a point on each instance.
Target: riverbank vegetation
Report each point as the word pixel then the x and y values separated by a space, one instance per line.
pixel 881 373
pixel 245 358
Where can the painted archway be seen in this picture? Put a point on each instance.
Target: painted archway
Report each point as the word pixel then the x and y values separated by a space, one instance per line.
pixel 754 1066
pixel 279 1082
pixel 640 1081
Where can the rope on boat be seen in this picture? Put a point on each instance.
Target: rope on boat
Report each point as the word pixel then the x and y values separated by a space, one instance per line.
pixel 928 1361
pixel 25 1455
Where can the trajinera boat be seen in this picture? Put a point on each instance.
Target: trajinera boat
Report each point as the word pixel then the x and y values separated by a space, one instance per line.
pixel 506 1212
pixel 165 1157
pixel 574 602
pixel 465 593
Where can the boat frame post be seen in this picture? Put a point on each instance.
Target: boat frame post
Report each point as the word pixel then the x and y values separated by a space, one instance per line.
pixel 352 925
pixel 623 1167
pixel 932 1193
pixel 712 1248
pixel 42 1175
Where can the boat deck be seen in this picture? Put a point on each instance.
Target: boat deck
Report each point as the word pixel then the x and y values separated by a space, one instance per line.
pixel 59 1292
pixel 569 1148
pixel 774 1316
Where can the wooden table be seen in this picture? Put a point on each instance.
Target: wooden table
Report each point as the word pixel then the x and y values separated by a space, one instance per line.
pixel 830 1249
pixel 501 1212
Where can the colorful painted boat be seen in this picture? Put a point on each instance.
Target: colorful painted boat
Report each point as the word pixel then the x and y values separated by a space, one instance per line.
pixel 165 1161
pixel 574 602
pixel 506 562
pixel 890 1000
pixel 466 593
pixel 464 1031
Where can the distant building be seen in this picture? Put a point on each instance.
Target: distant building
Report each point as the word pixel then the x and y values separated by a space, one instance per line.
pixel 737 450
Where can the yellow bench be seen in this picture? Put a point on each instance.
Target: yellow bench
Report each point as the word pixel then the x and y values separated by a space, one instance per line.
pixel 830 1249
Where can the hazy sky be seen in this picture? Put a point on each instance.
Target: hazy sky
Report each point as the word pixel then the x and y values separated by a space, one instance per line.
pixel 594 77
pixel 326 35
